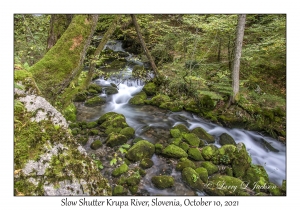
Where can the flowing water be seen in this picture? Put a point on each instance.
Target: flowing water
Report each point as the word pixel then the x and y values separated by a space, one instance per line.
pixel 153 124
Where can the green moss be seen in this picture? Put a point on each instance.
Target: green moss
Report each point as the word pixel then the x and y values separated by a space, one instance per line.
pixel 111 90
pixel 159 99
pixel 283 186
pixel 192 106
pixel 210 167
pixel 91 125
pixel 93 132
pixel 133 189
pixel 226 139
pixel 146 163
pixel 174 151
pixel 115 139
pixel 95 87
pixel 128 132
pixel 256 174
pixel 209 152
pixel 137 139
pixel 274 190
pixel 184 146
pixel 191 139
pixel 162 181
pixel 114 120
pixel 175 133
pixel 21 75
pixel 133 180
pixel 172 106
pixel 192 179
pixel 107 117
pixel 158 148
pixel 138 99
pixel 83 140
pixel 96 144
pixel 140 150
pixel 120 170
pixel 203 174
pixel 81 96
pixel 227 154
pixel 95 101
pixel 195 154
pixel 119 190
pixel 175 141
pixel 203 135
pixel 182 128
pixel 75 131
pixel 184 163
pixel 112 129
pixel 150 89
pixel 241 162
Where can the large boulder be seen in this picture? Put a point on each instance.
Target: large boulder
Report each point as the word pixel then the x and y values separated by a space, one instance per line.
pixel 227 154
pixel 140 150
pixel 174 151
pixel 158 100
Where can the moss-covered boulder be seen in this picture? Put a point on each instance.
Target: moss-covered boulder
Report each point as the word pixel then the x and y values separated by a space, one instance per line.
pixel 274 189
pixel 195 154
pixel 93 132
pixel 116 139
pixel 225 185
pixel 175 141
pixel 226 139
pixel 95 101
pixel 203 135
pixel 162 181
pixel 140 150
pixel 91 125
pixel 209 152
pixel 185 146
pixel 192 178
pixel 184 163
pixel 117 64
pixel 119 190
pixel 146 163
pixel 173 106
pixel 192 106
pixel 107 117
pixel 256 175
pixel 210 167
pixel 94 88
pixel 182 128
pixel 203 174
pixel 113 120
pixel 81 96
pixel 128 132
pixel 158 100
pixel 138 99
pixel 111 90
pixel 150 89
pixel 174 151
pixel 191 139
pixel 158 148
pixel 242 161
pixel 175 133
pixel 227 154
pixel 120 170
pixel 96 144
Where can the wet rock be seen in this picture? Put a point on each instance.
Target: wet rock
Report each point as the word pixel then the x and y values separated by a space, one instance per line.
pixel 173 106
pixel 226 139
pixel 182 128
pixel 138 99
pixel 162 181
pixel 195 154
pixel 120 170
pixel 81 96
pixel 203 174
pixel 209 152
pixel 227 154
pixel 191 139
pixel 241 162
pixel 128 132
pixel 91 125
pixel 158 100
pixel 95 101
pixel 192 179
pixel 150 89
pixel 140 150
pixel 94 87
pixel 175 133
pixel 158 148
pixel 184 163
pixel 111 90
pixel 268 145
pixel 210 167
pixel 184 146
pixel 202 134
pixel 146 163
pixel 174 151
pixel 96 144
pixel 116 139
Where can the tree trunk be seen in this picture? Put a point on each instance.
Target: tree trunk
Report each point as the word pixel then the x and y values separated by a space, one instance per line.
pixel 138 31
pixel 58 25
pixel 63 62
pixel 100 47
pixel 237 56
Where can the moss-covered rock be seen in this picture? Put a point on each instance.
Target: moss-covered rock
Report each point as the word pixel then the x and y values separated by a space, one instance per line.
pixel 128 132
pixel 158 100
pixel 91 125
pixel 210 167
pixel 184 146
pixel 191 139
pixel 225 185
pixel 70 112
pixel 158 148
pixel 228 171
pixel 203 174
pixel 241 162
pixel 192 106
pixel 113 120
pixel 274 189
pixel 226 139
pixel 182 128
pixel 120 170
pixel 172 106
pixel 83 140
pixel 195 154
pixel 184 163
pixel 192 179
pixel 256 175
pixel 119 190
pixel 174 151
pixel 175 141
pixel 138 99
pixel 137 139
pixel 227 154
pixel 111 90
pixel 107 117
pixel 209 152
pixel 81 96
pixel 96 144
pixel 203 135
pixel 146 163
pixel 150 89
pixel 116 139
pixel 93 132
pixel 140 150
pixel 175 133
pixel 95 101
pixel 162 181
pixel 111 129
pixel 95 87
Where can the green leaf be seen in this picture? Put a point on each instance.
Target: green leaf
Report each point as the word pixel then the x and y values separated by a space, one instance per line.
pixel 113 161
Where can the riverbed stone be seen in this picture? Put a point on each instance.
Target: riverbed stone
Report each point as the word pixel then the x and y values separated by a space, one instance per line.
pixel 146 163
pixel 150 89
pixel 111 90
pixel 185 146
pixel 116 139
pixel 203 174
pixel 158 100
pixel 119 190
pixel 158 148
pixel 210 167
pixel 128 132
pixel 114 120
pixel 191 139
pixel 95 87
pixel 226 139
pixel 174 151
pixel 96 144
pixel 95 101
pixel 173 106
pixel 182 128
pixel 209 152
pixel 140 150
pixel 227 154
pixel 175 133
pixel 184 163
pixel 162 181
pixel 195 154
pixel 120 170
pixel 203 135
pixel 138 99
pixel 192 179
